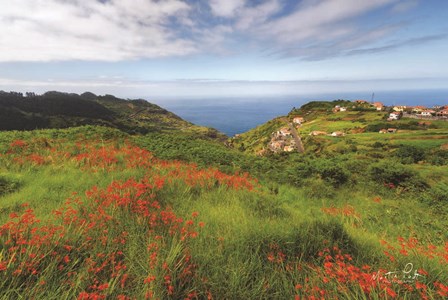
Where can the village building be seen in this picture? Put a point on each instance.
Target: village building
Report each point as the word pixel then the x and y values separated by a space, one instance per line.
pixel 399 108
pixel 394 115
pixel 298 120
pixel 317 132
pixel 339 108
pixel 277 145
pixel 427 113
pixel 443 112
pixel 361 101
pixel 337 133
pixel 418 109
pixel 379 106
pixel 383 131
pixel 391 130
pixel 285 131
pixel 289 148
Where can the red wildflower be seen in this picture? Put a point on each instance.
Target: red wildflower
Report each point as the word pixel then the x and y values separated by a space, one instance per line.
pixel 391 292
pixel 66 259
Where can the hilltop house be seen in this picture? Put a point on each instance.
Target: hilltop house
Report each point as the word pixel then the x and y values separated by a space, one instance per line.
pixel 298 120
pixel 394 115
pixel 360 101
pixel 399 108
pixel 379 106
pixel 339 108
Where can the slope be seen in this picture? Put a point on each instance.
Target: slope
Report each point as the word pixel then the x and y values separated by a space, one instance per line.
pixel 62 110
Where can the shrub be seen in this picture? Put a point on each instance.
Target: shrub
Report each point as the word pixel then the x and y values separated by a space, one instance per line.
pixel 437 197
pixel 378 145
pixel 332 172
pixel 396 175
pixel 336 175
pixel 438 157
pixel 8 185
pixel 410 154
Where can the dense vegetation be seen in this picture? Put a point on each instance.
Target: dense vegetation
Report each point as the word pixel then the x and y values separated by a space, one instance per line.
pixel 62 110
pixel 93 212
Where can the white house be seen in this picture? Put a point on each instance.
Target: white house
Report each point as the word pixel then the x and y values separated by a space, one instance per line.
pixel 427 113
pixel 394 116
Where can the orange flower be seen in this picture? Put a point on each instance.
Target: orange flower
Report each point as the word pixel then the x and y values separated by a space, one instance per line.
pixel 391 292
pixel 420 286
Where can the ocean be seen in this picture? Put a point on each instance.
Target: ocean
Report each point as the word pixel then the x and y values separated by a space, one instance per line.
pixel 237 115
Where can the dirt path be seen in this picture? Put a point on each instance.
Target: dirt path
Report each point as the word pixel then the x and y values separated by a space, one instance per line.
pixel 297 138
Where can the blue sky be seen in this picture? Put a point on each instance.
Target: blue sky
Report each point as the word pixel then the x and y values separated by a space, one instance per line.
pixel 215 48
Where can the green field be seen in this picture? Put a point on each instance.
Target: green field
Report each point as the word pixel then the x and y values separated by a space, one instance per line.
pixel 106 218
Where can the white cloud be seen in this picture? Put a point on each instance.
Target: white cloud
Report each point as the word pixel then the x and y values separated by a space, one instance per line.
pixel 226 8
pixel 44 30
pixel 254 16
pixel 320 20
pixel 312 30
pixel 118 30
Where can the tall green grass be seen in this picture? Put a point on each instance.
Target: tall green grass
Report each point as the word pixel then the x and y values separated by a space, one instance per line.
pixel 252 244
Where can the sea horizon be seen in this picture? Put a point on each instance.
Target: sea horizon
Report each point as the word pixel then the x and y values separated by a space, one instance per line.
pixel 234 115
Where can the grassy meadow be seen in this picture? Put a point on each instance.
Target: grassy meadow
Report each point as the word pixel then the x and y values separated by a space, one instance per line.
pixel 94 213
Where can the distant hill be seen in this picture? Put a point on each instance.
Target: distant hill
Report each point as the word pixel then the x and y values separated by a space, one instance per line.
pixel 322 121
pixel 62 110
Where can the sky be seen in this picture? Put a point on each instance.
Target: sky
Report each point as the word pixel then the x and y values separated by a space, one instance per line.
pixel 232 48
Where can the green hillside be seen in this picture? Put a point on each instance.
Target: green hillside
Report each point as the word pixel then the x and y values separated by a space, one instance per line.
pixel 94 212
pixel 359 124
pixel 62 110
